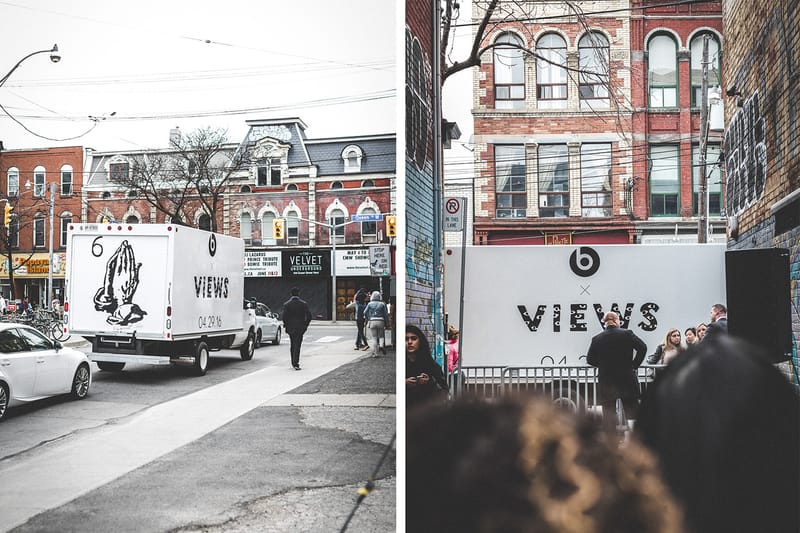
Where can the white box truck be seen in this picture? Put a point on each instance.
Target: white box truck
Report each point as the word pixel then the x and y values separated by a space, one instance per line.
pixel 156 294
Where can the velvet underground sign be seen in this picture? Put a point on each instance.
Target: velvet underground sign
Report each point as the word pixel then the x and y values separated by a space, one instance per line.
pixel 307 263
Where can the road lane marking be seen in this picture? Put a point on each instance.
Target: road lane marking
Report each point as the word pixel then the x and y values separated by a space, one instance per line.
pixel 328 338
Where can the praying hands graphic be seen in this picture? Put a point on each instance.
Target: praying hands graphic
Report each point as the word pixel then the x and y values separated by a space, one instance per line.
pixel 119 286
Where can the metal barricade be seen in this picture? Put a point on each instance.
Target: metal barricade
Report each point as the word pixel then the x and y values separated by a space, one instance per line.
pixel 572 386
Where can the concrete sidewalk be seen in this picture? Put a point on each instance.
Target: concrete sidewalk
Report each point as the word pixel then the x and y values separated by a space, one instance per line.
pixel 63 471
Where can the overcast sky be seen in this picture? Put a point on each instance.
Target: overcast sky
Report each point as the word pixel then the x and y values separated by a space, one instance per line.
pixel 157 64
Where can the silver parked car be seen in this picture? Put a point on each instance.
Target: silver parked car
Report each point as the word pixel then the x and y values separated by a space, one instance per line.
pixel 268 325
pixel 33 367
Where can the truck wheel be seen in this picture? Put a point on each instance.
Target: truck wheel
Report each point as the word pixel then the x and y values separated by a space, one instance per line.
pixel 277 339
pixel 248 348
pixel 80 383
pixel 201 359
pixel 110 367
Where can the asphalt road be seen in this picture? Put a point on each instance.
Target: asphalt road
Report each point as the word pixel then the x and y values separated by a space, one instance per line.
pixel 292 462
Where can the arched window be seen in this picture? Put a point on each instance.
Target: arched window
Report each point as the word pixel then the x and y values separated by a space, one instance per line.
pixel 509 73
pixel 551 74
pixel 131 194
pixel 662 71
pixel 246 227
pixel 245 188
pixel 38 181
pixel 367 183
pixel 291 187
pixel 292 227
pixel 266 226
pixel 132 219
pixel 337 219
pixel 594 68
pixel 204 222
pixel 13 182
pixel 106 195
pixel 352 156
pixel 337 185
pixel 66 180
pixel 369 230
pixel 697 65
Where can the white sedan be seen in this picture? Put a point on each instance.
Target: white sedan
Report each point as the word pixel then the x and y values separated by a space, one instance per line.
pixel 268 325
pixel 33 367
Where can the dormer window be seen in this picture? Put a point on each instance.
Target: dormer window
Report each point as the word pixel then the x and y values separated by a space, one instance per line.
pixel 352 156
pixel 268 173
pixel 118 171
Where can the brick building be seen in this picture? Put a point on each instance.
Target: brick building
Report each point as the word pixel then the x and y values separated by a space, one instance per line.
pixel 587 128
pixel 27 180
pixel 276 172
pixel 762 148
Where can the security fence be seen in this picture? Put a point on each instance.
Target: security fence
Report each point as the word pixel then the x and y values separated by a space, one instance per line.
pixel 571 386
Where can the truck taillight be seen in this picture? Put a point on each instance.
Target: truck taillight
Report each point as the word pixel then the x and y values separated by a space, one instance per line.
pixel 169 310
pixel 66 307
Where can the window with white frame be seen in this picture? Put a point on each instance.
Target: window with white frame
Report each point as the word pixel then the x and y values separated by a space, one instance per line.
pixel 551 72
pixel 714 184
pixel 38 181
pixel 291 187
pixel 337 185
pixel 596 180
pixel 352 156
pixel 337 221
pixel 266 226
pixel 118 171
pixel 262 171
pixel 664 180
pixel 509 72
pixel 662 60
pixel 593 51
pixel 38 231
pixel 292 228
pixel 553 180
pixel 66 220
pixel 66 180
pixel 511 197
pixel 13 182
pixel 369 230
pixel 696 48
pixel 132 219
pixel 246 228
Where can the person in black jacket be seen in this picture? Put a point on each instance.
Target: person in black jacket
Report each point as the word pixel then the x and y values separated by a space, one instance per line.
pixel 425 380
pixel 719 322
pixel 616 353
pixel 296 317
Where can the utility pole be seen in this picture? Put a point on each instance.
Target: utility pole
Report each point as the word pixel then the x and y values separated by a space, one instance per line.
pixel 702 208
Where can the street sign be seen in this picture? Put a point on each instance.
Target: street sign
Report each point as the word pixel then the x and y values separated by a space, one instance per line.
pixel 454 209
pixel 366 218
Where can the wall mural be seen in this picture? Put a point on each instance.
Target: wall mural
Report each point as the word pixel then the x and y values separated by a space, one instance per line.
pixel 746 157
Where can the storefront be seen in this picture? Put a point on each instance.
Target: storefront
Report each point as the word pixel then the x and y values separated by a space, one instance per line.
pixel 30 276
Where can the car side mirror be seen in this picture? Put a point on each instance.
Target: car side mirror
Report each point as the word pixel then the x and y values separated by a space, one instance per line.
pixel 57 345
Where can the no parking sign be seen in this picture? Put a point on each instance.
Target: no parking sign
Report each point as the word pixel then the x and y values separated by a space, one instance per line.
pixel 454 208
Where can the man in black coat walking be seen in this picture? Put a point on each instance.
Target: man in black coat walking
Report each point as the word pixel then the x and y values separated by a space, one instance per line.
pixel 616 353
pixel 296 317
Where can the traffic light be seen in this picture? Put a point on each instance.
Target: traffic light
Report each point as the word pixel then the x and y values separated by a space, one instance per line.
pixel 391 226
pixel 7 217
pixel 277 228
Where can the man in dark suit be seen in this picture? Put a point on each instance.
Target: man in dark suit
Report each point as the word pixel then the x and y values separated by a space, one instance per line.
pixel 616 353
pixel 719 322
pixel 296 317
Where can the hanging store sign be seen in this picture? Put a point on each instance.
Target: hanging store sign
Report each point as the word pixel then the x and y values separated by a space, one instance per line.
pixel 306 263
pixel 353 262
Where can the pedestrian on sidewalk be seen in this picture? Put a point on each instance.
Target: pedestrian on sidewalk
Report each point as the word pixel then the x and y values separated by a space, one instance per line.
pixel 361 298
pixel 296 317
pixel 377 317
pixel 424 378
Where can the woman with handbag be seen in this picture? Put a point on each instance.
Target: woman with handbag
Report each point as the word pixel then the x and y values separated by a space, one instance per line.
pixel 377 316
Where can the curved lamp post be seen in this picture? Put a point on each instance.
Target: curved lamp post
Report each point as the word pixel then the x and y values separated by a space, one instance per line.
pixel 55 57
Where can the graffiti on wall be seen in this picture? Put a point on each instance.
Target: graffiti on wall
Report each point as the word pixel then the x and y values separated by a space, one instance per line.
pixel 745 157
pixel 419 259
pixel 418 107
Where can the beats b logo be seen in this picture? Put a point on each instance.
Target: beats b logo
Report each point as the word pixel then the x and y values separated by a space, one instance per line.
pixel 584 261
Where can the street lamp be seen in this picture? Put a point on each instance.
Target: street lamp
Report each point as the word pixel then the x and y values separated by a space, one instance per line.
pixel 55 57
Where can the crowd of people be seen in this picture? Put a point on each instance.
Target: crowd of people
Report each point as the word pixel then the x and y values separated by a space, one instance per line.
pixel 673 344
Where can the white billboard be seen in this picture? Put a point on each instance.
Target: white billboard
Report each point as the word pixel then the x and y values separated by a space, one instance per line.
pixel 541 305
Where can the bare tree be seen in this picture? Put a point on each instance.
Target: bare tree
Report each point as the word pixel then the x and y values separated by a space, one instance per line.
pixel 23 217
pixel 194 173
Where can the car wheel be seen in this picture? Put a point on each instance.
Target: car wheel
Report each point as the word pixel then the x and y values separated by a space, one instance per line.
pixel 201 359
pixel 248 348
pixel 258 338
pixel 4 399
pixel 277 339
pixel 80 383
pixel 110 367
